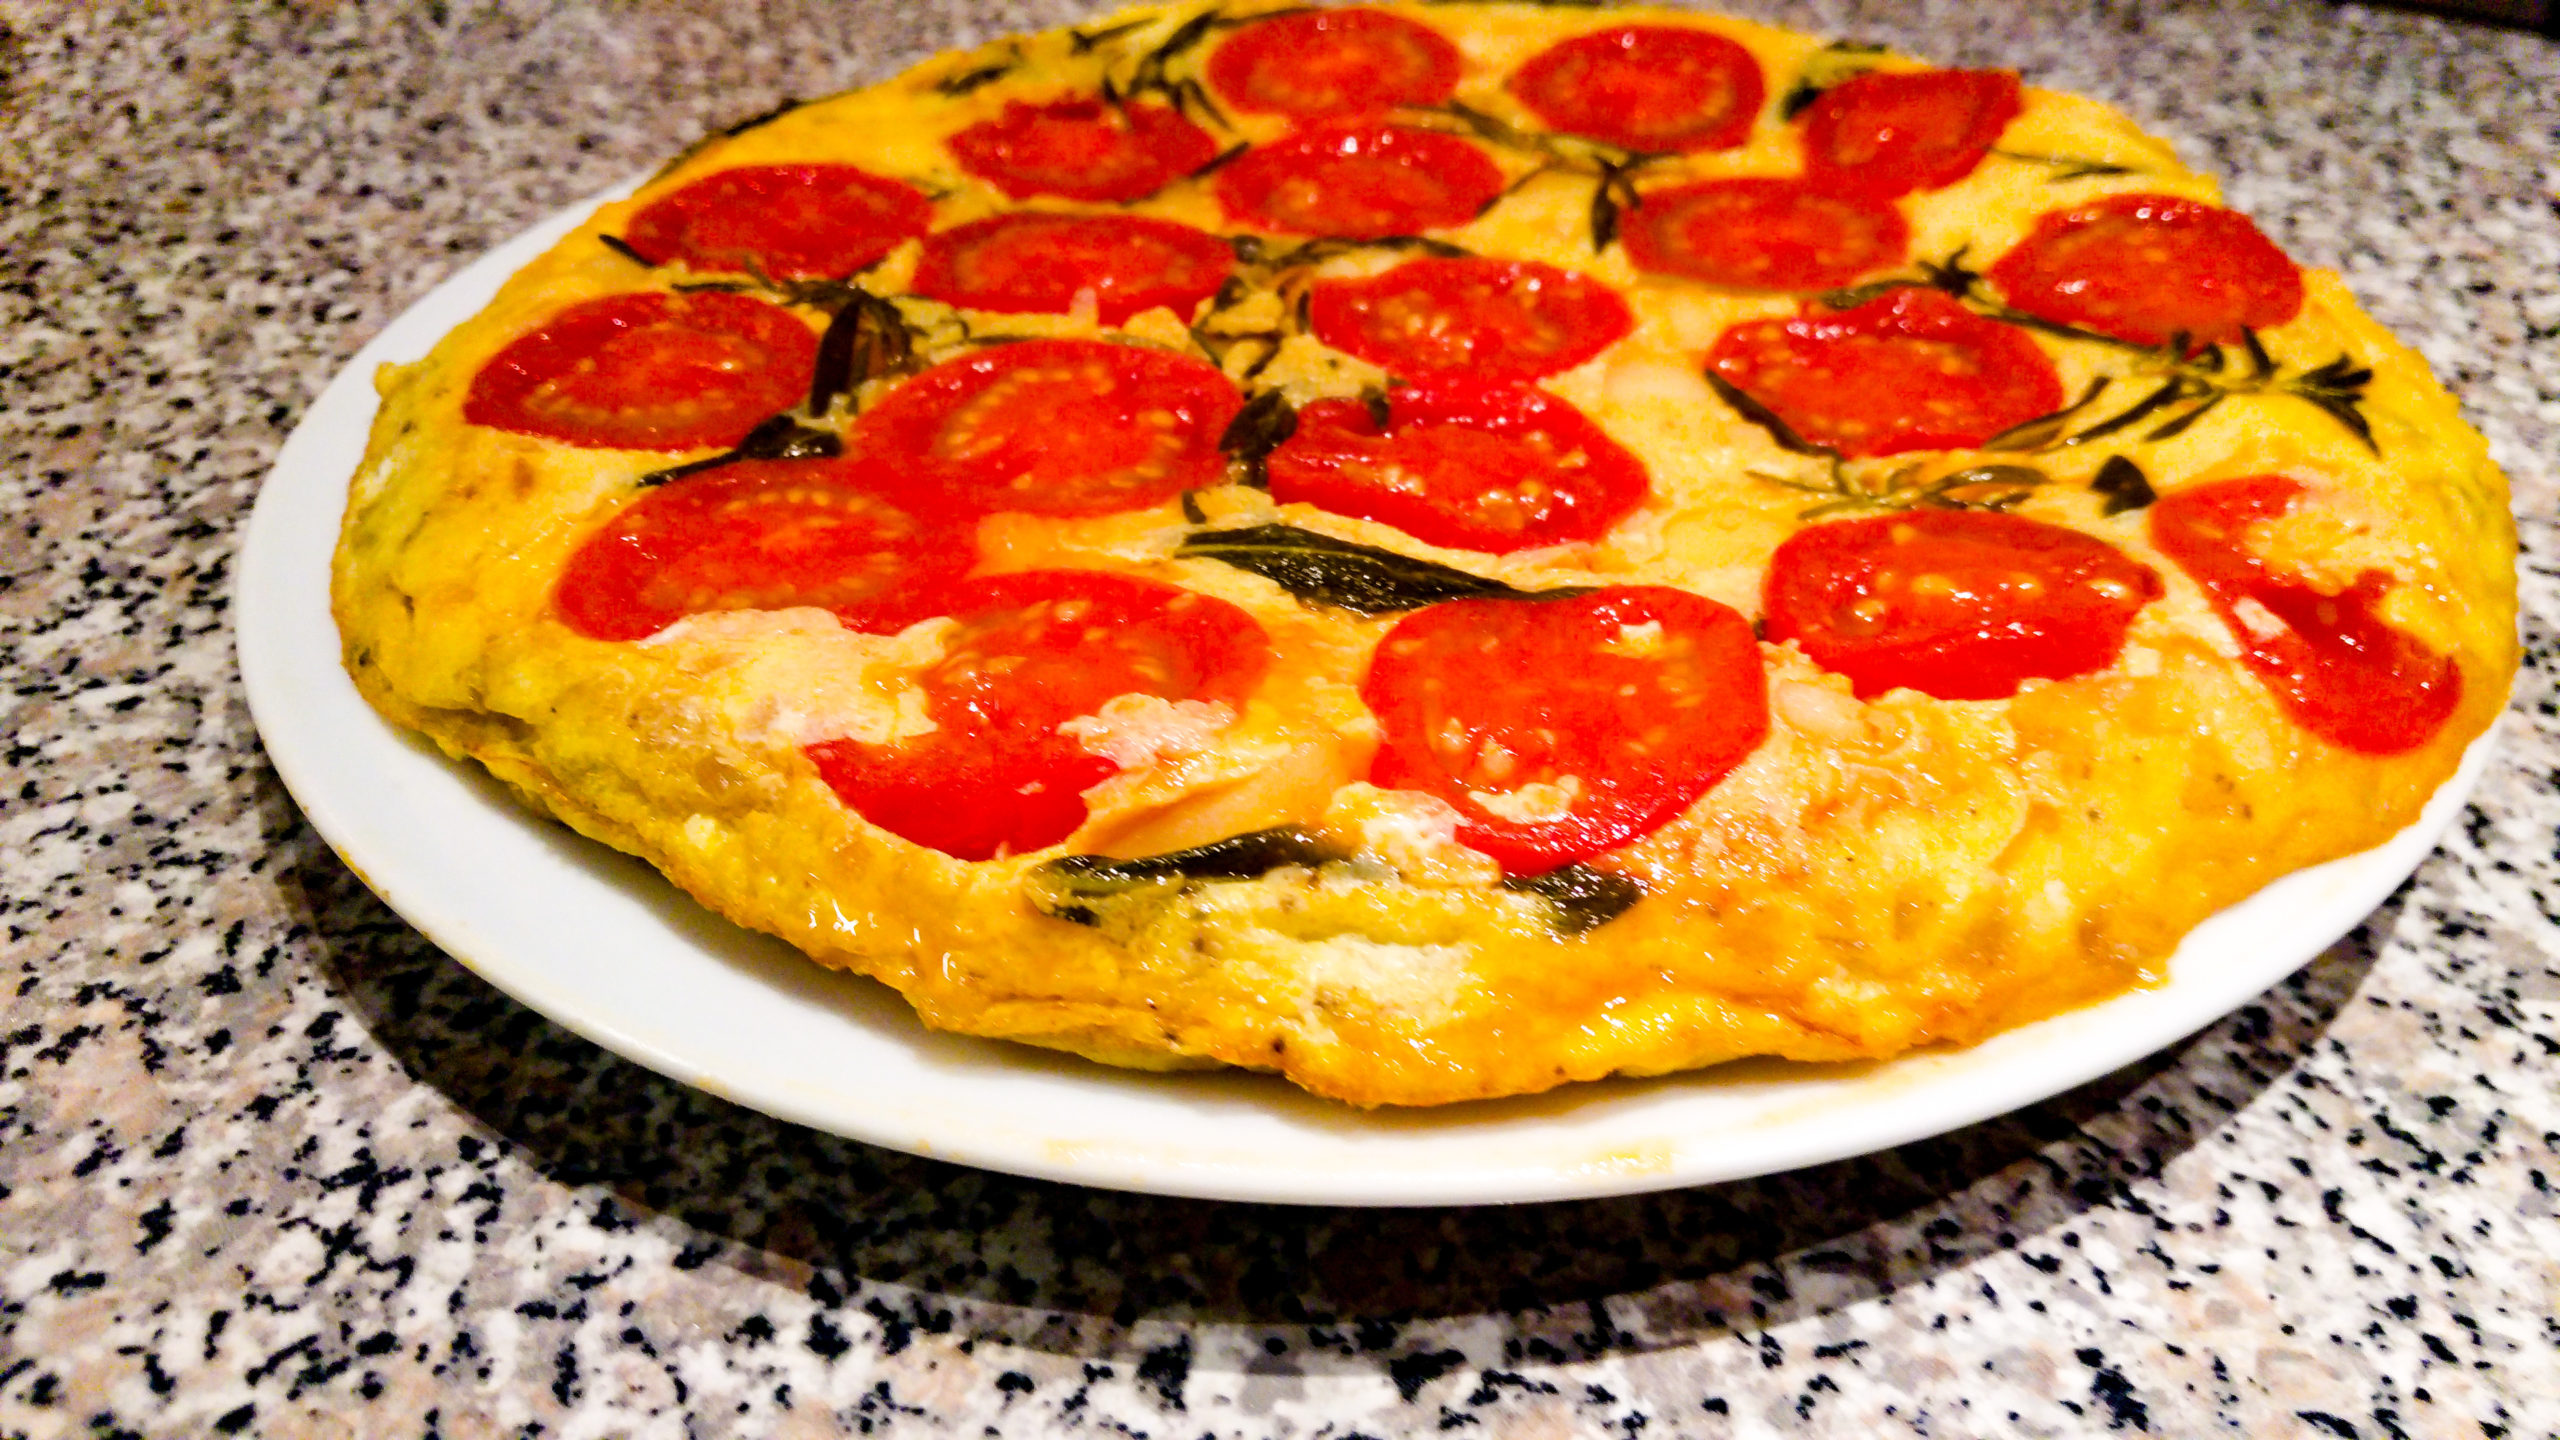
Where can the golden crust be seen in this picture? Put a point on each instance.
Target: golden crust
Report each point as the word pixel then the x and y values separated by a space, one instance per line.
pixel 1876 876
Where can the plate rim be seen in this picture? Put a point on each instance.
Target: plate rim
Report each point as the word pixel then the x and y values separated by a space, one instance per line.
pixel 289 687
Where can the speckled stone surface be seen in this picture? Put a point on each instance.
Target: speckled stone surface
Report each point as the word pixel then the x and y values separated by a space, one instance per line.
pixel 270 1165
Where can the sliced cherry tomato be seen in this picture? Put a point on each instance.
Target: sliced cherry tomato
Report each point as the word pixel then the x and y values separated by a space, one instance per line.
pixel 1492 319
pixel 790 222
pixel 1360 181
pixel 1083 149
pixel 647 372
pixel 1960 604
pixel 1646 87
pixel 2147 268
pixel 1560 728
pixel 1759 233
pixel 1056 427
pixel 1316 63
pixel 1034 650
pixel 1886 134
pixel 1037 262
pixel 766 535
pixel 1464 463
pixel 2335 665
pixel 1910 370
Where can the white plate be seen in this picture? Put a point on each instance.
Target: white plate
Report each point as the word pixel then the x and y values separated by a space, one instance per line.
pixel 597 941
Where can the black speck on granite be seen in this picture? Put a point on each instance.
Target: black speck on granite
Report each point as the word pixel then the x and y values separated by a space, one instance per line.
pixel 271 1166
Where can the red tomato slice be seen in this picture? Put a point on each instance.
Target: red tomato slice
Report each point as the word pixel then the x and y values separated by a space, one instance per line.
pixel 2335 665
pixel 1031 261
pixel 1622 704
pixel 2146 268
pixel 1032 651
pixel 1083 149
pixel 1883 135
pixel 1646 87
pixel 1360 181
pixel 788 222
pixel 1333 62
pixel 1960 604
pixel 765 535
pixel 647 372
pixel 1911 370
pixel 1463 463
pixel 1759 233
pixel 1492 319
pixel 1056 427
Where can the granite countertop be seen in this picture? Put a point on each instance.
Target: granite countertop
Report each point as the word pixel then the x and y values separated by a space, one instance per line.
pixel 270 1165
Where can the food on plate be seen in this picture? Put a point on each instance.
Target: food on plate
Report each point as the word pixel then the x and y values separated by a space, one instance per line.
pixel 1440 551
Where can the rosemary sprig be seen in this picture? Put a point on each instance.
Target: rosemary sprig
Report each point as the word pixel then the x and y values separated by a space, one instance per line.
pixel 1612 168
pixel 1286 273
pixel 2070 167
pixel 1976 487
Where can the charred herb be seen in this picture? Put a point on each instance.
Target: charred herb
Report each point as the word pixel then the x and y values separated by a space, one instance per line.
pixel 2124 485
pixel 1825 68
pixel 2070 167
pixel 779 438
pixel 1579 897
pixel 868 339
pixel 1073 886
pixel 1285 272
pixel 1363 579
pixel 1081 42
pixel 1264 424
pixel 622 247
pixel 1976 487
pixel 1767 419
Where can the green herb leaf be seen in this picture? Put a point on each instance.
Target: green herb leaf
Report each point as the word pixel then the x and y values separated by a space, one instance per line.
pixel 622 247
pixel 1580 898
pixel 1825 68
pixel 779 438
pixel 2124 485
pixel 1083 41
pixel 1264 424
pixel 1362 579
pixel 2069 167
pixel 1072 886
pixel 1766 418
pixel 2041 432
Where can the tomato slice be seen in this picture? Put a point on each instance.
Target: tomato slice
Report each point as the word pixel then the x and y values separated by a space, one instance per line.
pixel 2336 666
pixel 1886 134
pixel 1083 149
pixel 789 222
pixel 647 372
pixel 1960 604
pixel 1910 370
pixel 1761 233
pixel 1646 87
pixel 1032 261
pixel 1033 650
pixel 1362 181
pixel 1560 728
pixel 1493 319
pixel 1333 62
pixel 1471 464
pixel 1056 427
pixel 765 535
pixel 2147 268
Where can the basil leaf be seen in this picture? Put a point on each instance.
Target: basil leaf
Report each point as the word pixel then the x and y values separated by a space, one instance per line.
pixel 1362 579
pixel 1264 424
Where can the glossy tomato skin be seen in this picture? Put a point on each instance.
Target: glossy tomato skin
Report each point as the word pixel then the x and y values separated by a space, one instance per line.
pixel 1764 233
pixel 1491 319
pixel 1959 604
pixel 788 222
pixel 647 372
pixel 2148 268
pixel 1886 134
pixel 1909 370
pixel 1083 149
pixel 1030 651
pixel 2336 666
pixel 766 535
pixel 1624 703
pixel 1320 63
pixel 1038 262
pixel 1055 427
pixel 1649 88
pixel 1464 463
pixel 1358 180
